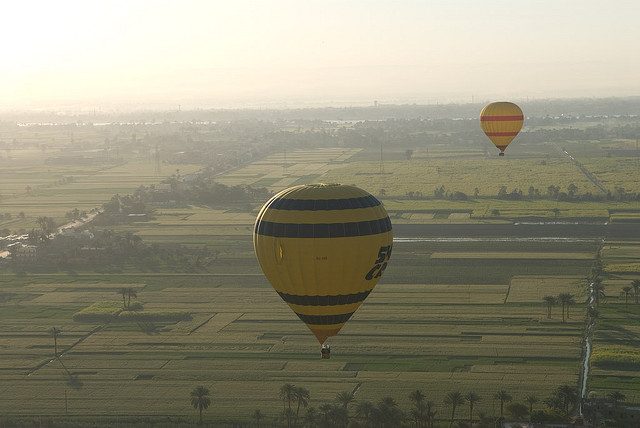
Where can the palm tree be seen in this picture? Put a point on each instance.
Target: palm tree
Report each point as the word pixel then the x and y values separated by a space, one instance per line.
pixel 504 397
pixel 310 417
pixel 635 284
pixel 387 413
pixel 418 415
pixel 565 300
pixel 471 398
pixel 130 293
pixel 46 224
pixel 258 416
pixel 570 301
pixel 616 396
pixel 417 398
pixel 42 222
pixel 554 402
pixel 123 291
pixel 530 400
pixel 289 415
pixel 597 291
pixel 568 397
pixel 344 398
pixel 549 301
pixel 431 414
pixel 338 416
pixel 453 399
pixel 301 395
pixel 325 413
pixel 365 410
pixel 517 410
pixel 55 332
pixel 200 399
pixel 287 394
pixel 626 292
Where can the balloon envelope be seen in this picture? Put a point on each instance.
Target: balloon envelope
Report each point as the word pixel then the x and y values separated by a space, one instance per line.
pixel 323 247
pixel 501 122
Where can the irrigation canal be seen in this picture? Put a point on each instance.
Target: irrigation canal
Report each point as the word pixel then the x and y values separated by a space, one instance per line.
pixel 527 231
pixel 587 349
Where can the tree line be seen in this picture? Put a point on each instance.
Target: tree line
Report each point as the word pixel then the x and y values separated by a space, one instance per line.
pixel 458 408
pixel 347 411
pixel 200 189
pixel 552 192
pixel 107 250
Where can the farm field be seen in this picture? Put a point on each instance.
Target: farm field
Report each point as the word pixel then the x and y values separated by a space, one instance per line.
pixel 422 328
pixel 464 175
pixel 244 343
pixel 27 188
pixel 615 353
pixel 450 314
pixel 281 170
pixel 479 178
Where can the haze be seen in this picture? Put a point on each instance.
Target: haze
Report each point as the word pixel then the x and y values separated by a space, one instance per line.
pixel 174 54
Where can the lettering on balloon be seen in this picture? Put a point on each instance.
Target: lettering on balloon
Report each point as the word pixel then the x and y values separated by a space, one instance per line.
pixel 384 254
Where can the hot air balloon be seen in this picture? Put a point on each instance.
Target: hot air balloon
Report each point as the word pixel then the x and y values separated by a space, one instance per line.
pixel 323 247
pixel 501 121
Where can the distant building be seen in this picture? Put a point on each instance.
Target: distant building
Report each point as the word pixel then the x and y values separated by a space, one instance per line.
pixel 7 241
pixel 92 249
pixel 187 178
pixel 26 252
pixel 72 232
pixel 137 217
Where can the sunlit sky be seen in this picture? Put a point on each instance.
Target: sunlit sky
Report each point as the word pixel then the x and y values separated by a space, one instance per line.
pixel 289 53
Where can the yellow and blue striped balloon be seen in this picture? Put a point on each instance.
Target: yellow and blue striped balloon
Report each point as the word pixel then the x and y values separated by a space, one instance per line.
pixel 323 247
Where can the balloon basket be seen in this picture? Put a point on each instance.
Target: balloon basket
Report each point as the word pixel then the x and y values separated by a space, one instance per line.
pixel 325 352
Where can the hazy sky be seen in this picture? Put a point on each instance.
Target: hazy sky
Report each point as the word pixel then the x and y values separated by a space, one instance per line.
pixel 234 53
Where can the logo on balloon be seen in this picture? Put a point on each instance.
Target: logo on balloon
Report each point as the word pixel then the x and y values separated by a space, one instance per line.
pixel 380 264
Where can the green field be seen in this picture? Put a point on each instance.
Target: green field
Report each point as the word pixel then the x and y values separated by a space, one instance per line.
pixel 60 189
pixel 616 359
pixel 448 315
pixel 244 343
